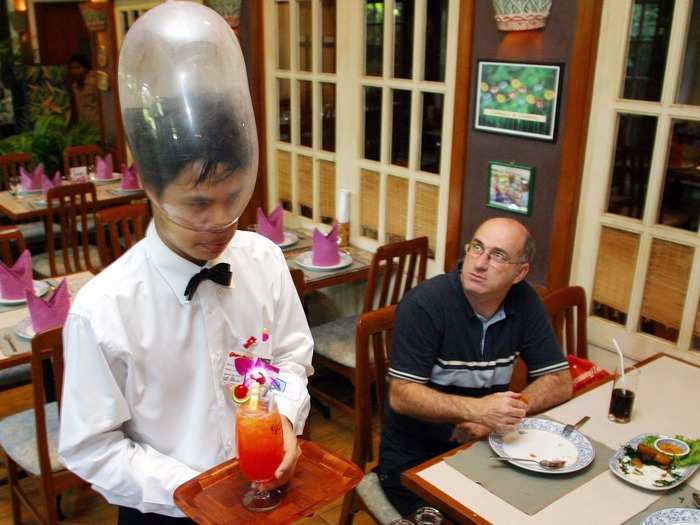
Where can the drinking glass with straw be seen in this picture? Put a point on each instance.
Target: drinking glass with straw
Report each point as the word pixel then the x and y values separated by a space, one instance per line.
pixel 624 389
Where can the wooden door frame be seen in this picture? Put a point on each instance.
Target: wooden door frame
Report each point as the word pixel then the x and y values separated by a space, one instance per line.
pixel 577 110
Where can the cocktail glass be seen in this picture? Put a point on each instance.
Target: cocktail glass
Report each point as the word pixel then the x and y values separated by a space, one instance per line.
pixel 260 450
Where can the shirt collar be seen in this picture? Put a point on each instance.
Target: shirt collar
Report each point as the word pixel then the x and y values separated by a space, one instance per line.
pixel 175 269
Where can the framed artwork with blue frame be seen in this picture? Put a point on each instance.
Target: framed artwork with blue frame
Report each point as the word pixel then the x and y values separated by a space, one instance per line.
pixel 511 187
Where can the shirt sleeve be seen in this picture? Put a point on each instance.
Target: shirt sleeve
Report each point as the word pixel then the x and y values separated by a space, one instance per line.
pixel 416 340
pixel 91 442
pixel 540 348
pixel 292 349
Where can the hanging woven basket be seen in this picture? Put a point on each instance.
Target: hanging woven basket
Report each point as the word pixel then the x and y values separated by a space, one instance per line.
pixel 521 15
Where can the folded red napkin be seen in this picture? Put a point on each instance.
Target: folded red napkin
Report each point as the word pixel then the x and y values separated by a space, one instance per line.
pixel 324 250
pixel 271 226
pixel 130 180
pixel 14 281
pixel 103 167
pixel 50 313
pixel 31 181
pixel 47 184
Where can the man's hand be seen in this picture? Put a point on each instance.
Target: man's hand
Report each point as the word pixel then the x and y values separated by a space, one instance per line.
pixel 502 411
pixel 468 431
pixel 291 454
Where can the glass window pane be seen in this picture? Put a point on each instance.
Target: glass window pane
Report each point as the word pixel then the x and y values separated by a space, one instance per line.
pixel 665 289
pixel 628 186
pixel 436 40
pixel 680 205
pixel 305 114
pixel 305 42
pixel 283 35
pixel 284 179
pixel 425 214
pixel 328 116
pixel 285 109
pixel 403 38
pixel 401 124
pixel 369 204
pixel 689 88
pixel 614 272
pixel 328 31
pixel 373 122
pixel 647 46
pixel 374 34
pixel 431 137
pixel 305 186
pixel 395 209
pixel 327 191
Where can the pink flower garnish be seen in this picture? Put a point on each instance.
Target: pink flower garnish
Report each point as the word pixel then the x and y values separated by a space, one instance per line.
pixel 257 370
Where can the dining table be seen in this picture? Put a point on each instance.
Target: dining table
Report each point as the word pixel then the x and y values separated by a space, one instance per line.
pixel 21 205
pixel 666 403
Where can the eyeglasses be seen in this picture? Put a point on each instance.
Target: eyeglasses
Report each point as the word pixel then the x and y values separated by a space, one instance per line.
pixel 495 257
pixel 196 224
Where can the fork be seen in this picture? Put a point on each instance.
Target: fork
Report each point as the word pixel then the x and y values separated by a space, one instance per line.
pixel 8 338
pixel 568 429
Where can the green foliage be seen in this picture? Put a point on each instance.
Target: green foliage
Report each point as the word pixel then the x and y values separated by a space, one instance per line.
pixel 49 137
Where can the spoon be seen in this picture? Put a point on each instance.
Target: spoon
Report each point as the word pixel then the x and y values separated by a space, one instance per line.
pixel 545 463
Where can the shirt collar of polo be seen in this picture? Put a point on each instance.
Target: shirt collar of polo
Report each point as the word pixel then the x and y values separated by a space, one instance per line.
pixel 175 269
pixel 507 307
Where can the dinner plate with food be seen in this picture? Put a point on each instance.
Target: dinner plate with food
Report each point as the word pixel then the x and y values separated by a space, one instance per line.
pixel 675 516
pixel 539 439
pixel 656 461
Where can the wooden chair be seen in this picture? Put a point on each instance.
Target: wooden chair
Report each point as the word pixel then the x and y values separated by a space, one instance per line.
pixel 38 426
pixel 9 167
pixel 394 270
pixel 372 360
pixel 73 206
pixel 118 229
pixel 82 155
pixel 566 308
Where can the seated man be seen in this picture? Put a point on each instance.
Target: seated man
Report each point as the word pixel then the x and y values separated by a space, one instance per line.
pixel 455 342
pixel 147 401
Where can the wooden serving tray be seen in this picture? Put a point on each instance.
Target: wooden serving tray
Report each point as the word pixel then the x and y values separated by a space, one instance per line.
pixel 214 497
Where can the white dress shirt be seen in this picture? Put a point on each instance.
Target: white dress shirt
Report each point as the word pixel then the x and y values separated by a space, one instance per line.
pixel 144 408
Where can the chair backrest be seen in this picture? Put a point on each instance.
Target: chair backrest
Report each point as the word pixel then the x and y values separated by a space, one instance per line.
pixel 373 338
pixel 566 308
pixel 9 166
pixel 394 270
pixel 47 354
pixel 298 279
pixel 10 235
pixel 71 204
pixel 118 229
pixel 82 155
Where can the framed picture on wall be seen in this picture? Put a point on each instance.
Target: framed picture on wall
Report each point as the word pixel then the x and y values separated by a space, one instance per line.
pixel 511 187
pixel 516 98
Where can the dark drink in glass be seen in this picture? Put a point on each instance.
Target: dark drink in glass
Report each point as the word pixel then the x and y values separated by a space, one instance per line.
pixel 621 405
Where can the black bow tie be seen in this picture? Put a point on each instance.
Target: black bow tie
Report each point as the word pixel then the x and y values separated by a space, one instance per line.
pixel 220 274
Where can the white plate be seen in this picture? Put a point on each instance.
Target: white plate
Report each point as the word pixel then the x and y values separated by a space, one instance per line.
pixel 673 517
pixel 24 329
pixel 289 239
pixel 648 476
pixel 115 177
pixel 128 191
pixel 304 260
pixel 542 439
pixel 27 192
pixel 40 288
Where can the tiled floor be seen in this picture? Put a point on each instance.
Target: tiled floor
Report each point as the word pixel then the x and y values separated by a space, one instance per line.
pixel 89 508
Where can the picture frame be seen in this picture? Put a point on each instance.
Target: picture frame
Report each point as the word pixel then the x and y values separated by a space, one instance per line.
pixel 511 187
pixel 518 98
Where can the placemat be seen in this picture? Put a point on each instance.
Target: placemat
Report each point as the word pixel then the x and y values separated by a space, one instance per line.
pixel 528 491
pixel 679 497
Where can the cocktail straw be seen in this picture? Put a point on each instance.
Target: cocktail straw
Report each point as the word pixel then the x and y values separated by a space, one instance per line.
pixel 622 360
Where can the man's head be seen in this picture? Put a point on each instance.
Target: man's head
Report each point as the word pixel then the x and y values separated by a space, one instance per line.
pixel 78 67
pixel 497 257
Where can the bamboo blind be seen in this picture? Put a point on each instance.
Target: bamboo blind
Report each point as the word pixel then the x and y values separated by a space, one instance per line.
pixel 327 189
pixel 284 178
pixel 369 204
pixel 425 219
pixel 666 282
pixel 617 257
pixel 395 211
pixel 306 184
